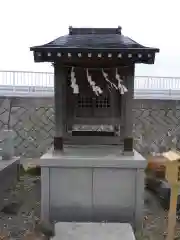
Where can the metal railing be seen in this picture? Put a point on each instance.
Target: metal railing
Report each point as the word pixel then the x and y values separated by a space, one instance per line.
pixel 22 78
pixel 19 83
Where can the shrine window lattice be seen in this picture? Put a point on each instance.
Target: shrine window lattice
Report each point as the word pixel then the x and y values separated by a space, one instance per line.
pixel 89 102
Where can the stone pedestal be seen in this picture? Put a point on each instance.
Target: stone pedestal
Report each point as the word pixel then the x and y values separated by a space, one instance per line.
pixel 92 184
pixel 95 231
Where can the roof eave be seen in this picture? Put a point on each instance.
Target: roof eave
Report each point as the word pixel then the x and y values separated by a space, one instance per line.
pixel 86 49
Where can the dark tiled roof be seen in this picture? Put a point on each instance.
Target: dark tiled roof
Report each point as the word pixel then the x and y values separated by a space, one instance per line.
pixel 94 41
pixel 89 38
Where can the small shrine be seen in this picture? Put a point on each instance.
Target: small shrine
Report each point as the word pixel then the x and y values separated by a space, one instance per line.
pixel 92 173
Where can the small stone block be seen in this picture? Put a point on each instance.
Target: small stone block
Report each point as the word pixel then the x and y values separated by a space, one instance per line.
pixel 93 231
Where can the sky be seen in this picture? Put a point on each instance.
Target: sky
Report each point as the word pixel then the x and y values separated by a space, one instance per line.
pixel 153 23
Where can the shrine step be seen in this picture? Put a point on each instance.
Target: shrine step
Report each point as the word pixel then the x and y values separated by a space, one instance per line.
pixel 93 231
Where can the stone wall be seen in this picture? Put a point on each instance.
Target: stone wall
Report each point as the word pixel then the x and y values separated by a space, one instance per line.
pixel 32 120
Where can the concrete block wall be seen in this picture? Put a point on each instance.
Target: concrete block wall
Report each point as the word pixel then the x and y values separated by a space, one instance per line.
pixel 32 120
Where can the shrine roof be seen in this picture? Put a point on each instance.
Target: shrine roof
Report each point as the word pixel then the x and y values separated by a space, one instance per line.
pixel 92 40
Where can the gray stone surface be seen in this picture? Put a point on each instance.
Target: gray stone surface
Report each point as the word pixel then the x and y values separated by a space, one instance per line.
pixel 93 231
pixel 91 156
pixel 32 120
pixel 94 185
pixel 8 176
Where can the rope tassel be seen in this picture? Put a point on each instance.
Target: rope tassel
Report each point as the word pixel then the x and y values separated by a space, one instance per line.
pixel 105 75
pixel 74 85
pixel 97 90
pixel 121 86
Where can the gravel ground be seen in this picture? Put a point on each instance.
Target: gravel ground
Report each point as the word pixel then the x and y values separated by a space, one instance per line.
pixel 155 220
pixel 22 209
pixel 26 211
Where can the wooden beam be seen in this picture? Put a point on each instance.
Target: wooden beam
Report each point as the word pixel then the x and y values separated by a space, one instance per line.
pixel 59 105
pixel 128 113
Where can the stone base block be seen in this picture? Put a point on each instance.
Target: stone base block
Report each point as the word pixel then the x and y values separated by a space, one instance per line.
pixel 92 184
pixel 93 231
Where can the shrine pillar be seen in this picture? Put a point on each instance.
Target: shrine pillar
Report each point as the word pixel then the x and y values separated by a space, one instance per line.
pixel 59 106
pixel 128 111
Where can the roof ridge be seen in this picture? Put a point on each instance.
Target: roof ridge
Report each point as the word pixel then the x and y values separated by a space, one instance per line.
pixel 89 30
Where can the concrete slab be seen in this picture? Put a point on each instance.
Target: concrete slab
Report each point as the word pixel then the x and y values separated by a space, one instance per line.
pixel 93 231
pixel 91 156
